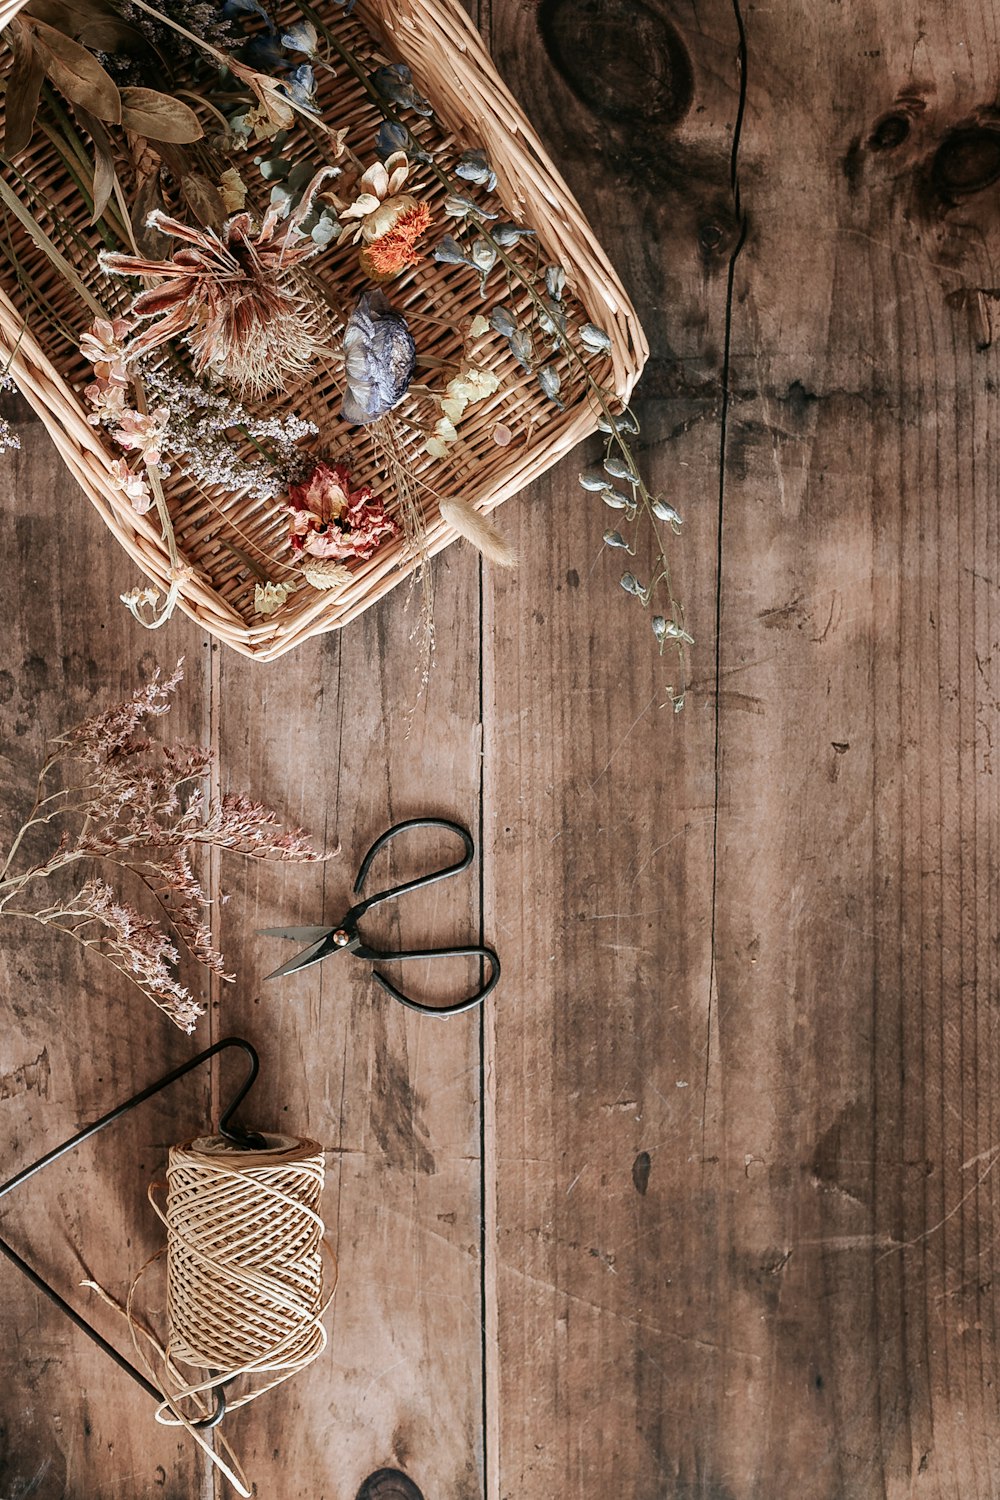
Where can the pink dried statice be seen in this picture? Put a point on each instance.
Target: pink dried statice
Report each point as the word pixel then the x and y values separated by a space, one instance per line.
pixel 139 805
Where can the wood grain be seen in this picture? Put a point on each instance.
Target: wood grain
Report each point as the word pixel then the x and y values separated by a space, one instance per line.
pixel 745 1202
pixel 739 1132
pixel 74 1040
pixel 602 808
pixel 349 744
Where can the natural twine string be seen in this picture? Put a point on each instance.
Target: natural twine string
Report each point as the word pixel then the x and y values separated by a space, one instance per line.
pixel 245 1284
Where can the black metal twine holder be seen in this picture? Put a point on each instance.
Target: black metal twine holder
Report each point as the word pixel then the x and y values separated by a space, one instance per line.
pixel 247 1140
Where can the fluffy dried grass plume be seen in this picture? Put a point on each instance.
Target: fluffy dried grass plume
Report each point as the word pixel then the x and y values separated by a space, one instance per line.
pixel 122 801
pixel 481 532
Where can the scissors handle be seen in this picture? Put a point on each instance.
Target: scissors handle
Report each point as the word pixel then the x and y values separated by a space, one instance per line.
pixel 421 880
pixel 475 951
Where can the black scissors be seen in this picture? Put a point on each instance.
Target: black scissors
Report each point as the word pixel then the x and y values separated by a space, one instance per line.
pixel 343 936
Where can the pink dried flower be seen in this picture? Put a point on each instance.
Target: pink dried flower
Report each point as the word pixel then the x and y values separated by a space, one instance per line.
pixel 142 432
pixel 142 807
pixel 228 294
pixel 329 519
pixel 132 485
pixel 103 346
pixel 135 946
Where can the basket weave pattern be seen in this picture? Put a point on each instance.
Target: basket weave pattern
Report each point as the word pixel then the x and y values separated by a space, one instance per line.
pixel 217 530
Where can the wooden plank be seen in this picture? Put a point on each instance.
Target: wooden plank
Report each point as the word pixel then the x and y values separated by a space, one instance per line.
pixel 345 741
pixel 601 810
pixel 796 1294
pixel 74 1040
pixel 857 894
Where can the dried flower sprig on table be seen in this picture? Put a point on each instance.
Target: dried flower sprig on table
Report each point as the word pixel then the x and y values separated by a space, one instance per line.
pixel 131 804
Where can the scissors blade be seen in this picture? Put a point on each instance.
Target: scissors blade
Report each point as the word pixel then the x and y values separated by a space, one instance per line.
pixel 311 955
pixel 295 934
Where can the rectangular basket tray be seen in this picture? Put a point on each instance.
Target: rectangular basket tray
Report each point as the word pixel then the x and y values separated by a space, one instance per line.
pixel 451 67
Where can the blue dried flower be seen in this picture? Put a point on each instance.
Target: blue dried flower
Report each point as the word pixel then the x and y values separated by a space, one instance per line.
pixel 301 86
pixel 301 37
pixel 379 358
pixel 473 166
pixel 395 83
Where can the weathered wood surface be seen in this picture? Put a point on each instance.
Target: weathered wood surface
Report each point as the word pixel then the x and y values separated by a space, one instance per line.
pixel 739 1134
pixel 745 1075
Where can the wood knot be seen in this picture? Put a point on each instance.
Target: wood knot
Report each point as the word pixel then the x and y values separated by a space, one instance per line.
pixel 967 160
pixel 622 60
pixel 889 132
pixel 389 1484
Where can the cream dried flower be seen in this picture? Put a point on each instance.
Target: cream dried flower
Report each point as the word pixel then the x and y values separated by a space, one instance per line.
pixel 391 221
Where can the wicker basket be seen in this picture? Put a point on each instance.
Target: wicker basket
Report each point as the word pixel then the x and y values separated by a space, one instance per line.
pixel 216 529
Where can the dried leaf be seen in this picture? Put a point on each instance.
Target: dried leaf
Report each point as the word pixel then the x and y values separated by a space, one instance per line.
pixel 24 84
pixel 104 161
pixel 160 118
pixel 76 73
pixel 204 199
pixel 152 242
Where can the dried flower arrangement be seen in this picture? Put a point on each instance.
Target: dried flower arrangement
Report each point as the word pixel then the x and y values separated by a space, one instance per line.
pixel 315 330
pixel 129 803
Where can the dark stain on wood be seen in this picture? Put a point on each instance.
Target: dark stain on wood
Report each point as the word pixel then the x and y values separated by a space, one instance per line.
pixel 395 1109
pixel 640 1173
pixel 29 1077
pixel 967 161
pixel 889 132
pixel 624 60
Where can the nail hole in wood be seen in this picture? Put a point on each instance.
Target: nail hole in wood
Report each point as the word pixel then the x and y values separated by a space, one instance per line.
pixel 622 60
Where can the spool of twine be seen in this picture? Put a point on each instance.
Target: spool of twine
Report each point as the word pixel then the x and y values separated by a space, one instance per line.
pixel 244 1256
pixel 246 1291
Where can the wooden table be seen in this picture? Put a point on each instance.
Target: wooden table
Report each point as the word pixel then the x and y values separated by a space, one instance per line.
pixel 705 1204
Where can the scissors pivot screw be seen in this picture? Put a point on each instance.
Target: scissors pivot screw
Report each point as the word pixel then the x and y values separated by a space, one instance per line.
pixel 341 938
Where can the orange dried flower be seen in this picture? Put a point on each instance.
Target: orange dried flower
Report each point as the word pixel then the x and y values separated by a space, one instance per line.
pixel 393 251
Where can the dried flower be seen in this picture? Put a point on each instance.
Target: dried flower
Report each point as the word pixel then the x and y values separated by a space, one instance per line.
pixel 227 294
pixel 103 346
pixel 268 597
pixel 331 520
pixel 211 430
pixel 9 439
pixel 464 389
pixel 142 433
pixel 379 357
pixel 132 485
pixel 391 221
pixel 131 803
